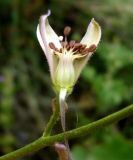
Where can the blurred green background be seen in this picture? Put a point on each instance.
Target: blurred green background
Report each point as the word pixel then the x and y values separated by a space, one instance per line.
pixel 105 86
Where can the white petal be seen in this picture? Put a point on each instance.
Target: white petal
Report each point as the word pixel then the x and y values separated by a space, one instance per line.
pixel 45 35
pixel 40 38
pixel 79 65
pixel 92 35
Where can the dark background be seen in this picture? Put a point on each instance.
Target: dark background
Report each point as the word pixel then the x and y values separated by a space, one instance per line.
pixel 105 86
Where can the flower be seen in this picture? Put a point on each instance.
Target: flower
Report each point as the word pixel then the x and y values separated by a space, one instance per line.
pixel 66 59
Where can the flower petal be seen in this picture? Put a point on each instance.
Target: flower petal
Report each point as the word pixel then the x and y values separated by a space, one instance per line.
pixel 92 35
pixel 79 65
pixel 40 38
pixel 45 35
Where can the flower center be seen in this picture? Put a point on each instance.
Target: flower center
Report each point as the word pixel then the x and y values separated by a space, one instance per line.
pixel 73 46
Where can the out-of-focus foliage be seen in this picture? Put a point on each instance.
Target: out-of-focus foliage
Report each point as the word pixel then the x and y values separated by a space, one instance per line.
pixel 106 150
pixel 105 85
pixel 114 83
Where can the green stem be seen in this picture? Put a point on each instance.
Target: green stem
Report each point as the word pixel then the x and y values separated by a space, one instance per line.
pixel 53 118
pixel 81 131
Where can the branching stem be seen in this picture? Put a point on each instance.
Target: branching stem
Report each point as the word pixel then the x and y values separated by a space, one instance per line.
pixel 81 131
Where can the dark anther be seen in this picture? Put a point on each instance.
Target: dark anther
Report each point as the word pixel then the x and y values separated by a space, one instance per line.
pixel 77 46
pixel 71 43
pixel 82 48
pixel 52 46
pixel 67 31
pixel 56 49
pixel 64 44
pixel 92 48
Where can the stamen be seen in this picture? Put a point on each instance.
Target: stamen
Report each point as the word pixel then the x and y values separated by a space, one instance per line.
pixel 57 50
pixel 64 44
pixel 77 46
pixel 71 43
pixel 52 46
pixel 67 46
pixel 83 46
pixel 67 31
pixel 92 48
pixel 81 49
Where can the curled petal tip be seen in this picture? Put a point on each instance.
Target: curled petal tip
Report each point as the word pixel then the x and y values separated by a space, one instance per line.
pixel 93 34
pixel 49 12
pixel 96 24
pixel 92 19
pixel 43 17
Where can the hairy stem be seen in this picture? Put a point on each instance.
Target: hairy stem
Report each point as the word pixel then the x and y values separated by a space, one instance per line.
pixel 81 131
pixel 53 118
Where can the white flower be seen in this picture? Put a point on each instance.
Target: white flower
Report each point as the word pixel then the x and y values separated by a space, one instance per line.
pixel 66 59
